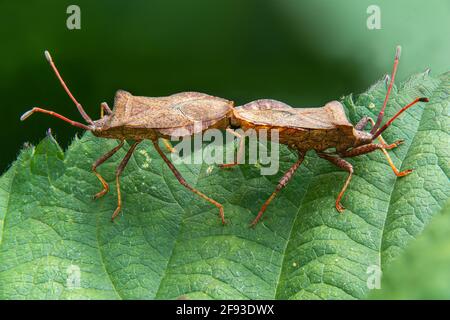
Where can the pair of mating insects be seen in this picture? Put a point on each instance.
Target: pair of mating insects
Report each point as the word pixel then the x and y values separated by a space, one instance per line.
pixel 301 129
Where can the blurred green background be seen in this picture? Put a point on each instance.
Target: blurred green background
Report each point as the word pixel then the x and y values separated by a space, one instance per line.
pixel 304 53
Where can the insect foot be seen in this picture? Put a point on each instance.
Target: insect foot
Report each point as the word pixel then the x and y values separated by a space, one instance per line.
pixel 393 145
pixel 340 207
pixel 403 173
pixel 101 193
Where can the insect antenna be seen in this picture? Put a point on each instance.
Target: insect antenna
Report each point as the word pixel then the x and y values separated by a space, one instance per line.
pixel 54 114
pixel 57 115
pixel 387 124
pixel 79 106
pixel 391 83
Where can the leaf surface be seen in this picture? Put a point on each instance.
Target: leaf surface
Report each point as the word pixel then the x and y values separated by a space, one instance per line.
pixel 56 242
pixel 421 272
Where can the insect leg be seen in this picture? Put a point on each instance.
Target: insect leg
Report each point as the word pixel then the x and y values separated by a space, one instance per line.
pixel 385 146
pixel 169 146
pixel 119 170
pixel 281 184
pixel 102 159
pixel 104 108
pixel 363 123
pixel 388 157
pixel 391 163
pixel 234 133
pixel 240 152
pixel 375 146
pixel 341 163
pixel 184 183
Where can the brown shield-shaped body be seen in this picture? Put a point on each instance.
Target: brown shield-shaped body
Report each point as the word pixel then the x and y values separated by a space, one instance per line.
pixel 181 114
pixel 300 128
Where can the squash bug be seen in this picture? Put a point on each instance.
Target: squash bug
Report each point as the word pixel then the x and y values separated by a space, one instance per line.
pixel 138 118
pixel 325 130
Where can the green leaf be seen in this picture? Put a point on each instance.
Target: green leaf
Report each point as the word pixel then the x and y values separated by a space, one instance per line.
pixel 57 242
pixel 422 270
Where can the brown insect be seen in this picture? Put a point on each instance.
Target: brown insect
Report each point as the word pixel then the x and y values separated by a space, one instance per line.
pixel 321 129
pixel 302 129
pixel 139 118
